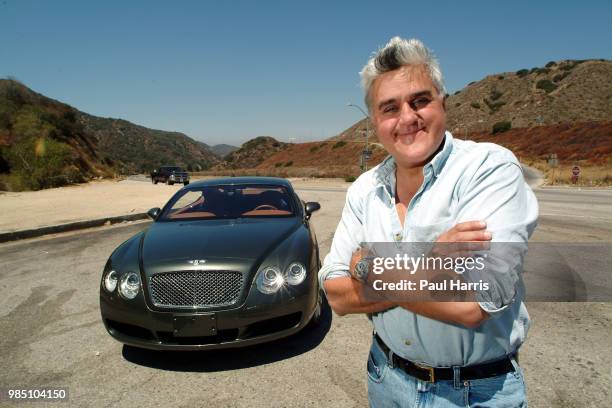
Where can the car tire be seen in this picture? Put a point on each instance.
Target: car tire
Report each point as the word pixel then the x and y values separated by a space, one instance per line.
pixel 153 181
pixel 185 183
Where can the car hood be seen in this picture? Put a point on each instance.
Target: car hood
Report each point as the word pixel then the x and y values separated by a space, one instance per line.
pixel 171 245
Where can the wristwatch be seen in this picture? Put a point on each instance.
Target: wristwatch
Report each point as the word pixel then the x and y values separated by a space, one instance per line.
pixel 362 269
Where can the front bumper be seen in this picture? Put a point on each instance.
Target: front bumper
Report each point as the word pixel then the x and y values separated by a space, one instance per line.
pixel 138 325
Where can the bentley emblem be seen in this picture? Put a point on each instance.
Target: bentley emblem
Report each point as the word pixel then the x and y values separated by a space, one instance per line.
pixel 196 262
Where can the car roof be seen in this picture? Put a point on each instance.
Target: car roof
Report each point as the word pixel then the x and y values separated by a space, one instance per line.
pixel 275 181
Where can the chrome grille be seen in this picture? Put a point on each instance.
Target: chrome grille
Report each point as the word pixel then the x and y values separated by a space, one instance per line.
pixel 191 289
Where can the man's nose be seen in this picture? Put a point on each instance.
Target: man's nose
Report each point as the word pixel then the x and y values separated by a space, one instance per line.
pixel 407 114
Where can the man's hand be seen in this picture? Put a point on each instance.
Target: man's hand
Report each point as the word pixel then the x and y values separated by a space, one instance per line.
pixel 470 231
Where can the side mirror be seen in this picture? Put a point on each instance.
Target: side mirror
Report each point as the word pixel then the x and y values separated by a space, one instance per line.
pixel 154 212
pixel 311 207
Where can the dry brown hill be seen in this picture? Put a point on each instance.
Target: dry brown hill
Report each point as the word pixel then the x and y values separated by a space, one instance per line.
pixel 561 92
pixel 565 91
pixel 588 143
pixel 252 153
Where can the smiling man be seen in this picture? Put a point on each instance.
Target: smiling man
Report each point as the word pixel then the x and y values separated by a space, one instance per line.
pixel 431 187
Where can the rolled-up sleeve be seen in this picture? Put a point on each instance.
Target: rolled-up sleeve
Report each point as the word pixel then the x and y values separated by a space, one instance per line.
pixel 347 238
pixel 497 193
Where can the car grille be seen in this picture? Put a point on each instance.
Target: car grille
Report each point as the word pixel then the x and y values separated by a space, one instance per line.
pixel 189 289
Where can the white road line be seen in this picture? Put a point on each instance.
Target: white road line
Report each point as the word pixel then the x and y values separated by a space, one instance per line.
pixel 575 216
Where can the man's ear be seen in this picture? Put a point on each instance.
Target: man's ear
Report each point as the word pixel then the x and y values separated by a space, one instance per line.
pixel 444 102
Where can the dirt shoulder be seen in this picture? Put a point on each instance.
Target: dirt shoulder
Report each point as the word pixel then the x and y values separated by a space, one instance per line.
pixel 99 199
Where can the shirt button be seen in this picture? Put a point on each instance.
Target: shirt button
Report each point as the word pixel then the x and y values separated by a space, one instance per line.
pixel 407 342
pixel 398 237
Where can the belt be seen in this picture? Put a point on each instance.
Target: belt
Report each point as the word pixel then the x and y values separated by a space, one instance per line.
pixel 433 374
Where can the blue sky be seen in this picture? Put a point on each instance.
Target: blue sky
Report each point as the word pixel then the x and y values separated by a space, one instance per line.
pixel 225 72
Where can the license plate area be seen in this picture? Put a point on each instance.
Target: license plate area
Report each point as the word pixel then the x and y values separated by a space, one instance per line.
pixel 194 325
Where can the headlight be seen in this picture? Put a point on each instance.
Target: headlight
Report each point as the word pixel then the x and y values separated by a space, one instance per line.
pixel 270 280
pixel 172 176
pixel 129 285
pixel 295 273
pixel 110 280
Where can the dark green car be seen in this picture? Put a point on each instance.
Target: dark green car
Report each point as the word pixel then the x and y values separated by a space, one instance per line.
pixel 226 263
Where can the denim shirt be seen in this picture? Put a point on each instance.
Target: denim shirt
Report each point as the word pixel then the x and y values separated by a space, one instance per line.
pixel 465 181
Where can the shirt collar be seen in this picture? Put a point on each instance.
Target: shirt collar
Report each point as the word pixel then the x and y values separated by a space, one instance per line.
pixel 385 173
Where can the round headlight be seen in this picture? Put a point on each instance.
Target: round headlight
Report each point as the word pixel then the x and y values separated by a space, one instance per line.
pixel 270 280
pixel 129 285
pixel 295 274
pixel 110 280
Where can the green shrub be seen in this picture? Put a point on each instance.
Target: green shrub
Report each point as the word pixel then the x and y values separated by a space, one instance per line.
pixel 40 162
pixel 560 77
pixel 314 149
pixel 500 77
pixel 500 127
pixel 546 85
pixel 288 164
pixel 494 106
pixel 539 71
pixel 495 94
pixel 338 144
pixel 550 64
pixel 457 93
pixel 475 105
pixel 472 83
pixel 522 72
pixel 457 104
pixel 349 179
pixel 278 164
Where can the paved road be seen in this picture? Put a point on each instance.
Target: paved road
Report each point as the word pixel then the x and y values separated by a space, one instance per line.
pixel 52 334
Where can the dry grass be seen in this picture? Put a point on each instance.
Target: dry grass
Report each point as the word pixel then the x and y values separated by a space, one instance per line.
pixel 590 175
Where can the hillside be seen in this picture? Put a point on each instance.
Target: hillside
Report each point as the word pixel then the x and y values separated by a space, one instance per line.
pixel 46 143
pixel 564 91
pixel 223 150
pixel 252 153
pixel 561 92
pixel 42 143
pixel 140 149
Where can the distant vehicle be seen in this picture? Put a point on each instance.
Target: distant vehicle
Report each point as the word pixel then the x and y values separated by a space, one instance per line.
pixel 170 175
pixel 226 263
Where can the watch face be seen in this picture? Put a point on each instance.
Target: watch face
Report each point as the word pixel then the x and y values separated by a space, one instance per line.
pixel 362 269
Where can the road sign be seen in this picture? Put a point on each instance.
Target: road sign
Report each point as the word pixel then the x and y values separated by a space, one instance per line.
pixel 366 154
pixel 576 171
pixel 553 161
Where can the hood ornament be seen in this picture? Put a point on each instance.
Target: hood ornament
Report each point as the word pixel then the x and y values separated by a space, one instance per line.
pixel 196 262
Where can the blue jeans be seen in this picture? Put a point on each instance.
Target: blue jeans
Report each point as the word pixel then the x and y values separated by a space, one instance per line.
pixel 391 387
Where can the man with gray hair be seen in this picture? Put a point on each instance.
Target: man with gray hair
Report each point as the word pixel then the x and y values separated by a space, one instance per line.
pixel 431 187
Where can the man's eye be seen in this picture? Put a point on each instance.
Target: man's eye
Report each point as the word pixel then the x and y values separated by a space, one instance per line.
pixel 389 109
pixel 420 102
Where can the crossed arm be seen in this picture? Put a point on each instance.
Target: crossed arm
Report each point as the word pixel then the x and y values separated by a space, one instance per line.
pixel 345 294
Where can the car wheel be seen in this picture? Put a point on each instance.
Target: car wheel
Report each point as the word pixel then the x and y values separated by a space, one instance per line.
pixel 153 181
pixel 185 183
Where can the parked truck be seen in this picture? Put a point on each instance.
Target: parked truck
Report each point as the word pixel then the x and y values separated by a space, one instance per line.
pixel 170 175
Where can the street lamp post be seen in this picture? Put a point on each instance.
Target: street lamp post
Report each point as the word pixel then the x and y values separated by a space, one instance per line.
pixel 365 162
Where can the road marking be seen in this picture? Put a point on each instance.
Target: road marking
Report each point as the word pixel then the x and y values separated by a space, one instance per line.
pixel 575 216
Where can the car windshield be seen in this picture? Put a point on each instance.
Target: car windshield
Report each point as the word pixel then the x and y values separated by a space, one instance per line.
pixel 229 201
pixel 175 169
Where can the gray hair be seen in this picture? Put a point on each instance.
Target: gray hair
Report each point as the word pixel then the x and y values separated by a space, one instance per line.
pixel 397 53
